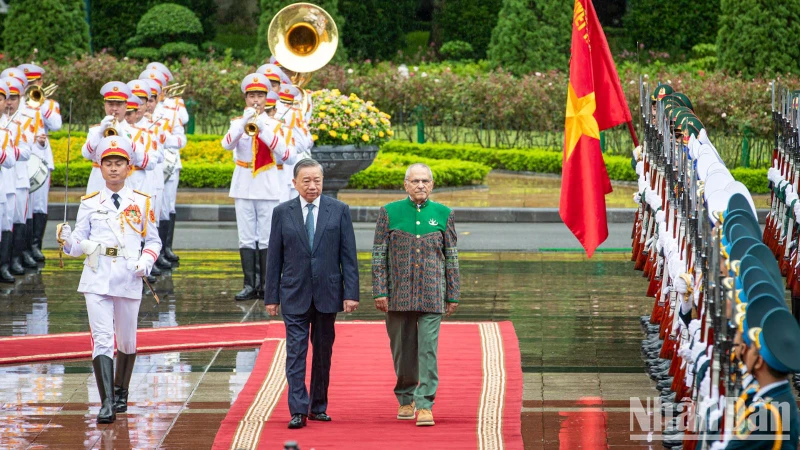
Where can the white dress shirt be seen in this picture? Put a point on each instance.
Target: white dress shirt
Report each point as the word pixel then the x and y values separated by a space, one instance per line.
pixel 304 204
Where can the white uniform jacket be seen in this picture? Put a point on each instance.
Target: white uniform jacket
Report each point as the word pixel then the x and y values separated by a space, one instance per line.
pixel 7 173
pixel 267 184
pixel 123 229
pixel 21 142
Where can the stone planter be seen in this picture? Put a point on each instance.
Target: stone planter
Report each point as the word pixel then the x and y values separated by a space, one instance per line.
pixel 340 162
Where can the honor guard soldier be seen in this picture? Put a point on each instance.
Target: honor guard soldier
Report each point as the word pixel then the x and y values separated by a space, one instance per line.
pixel 772 420
pixel 274 74
pixel 47 118
pixel 115 103
pixel 143 136
pixel 8 157
pixel 257 186
pixel 151 123
pixel 21 256
pixel 175 116
pixel 296 134
pixel 139 178
pixel 110 228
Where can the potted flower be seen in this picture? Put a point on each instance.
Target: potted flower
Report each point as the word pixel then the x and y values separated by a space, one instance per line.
pixel 347 133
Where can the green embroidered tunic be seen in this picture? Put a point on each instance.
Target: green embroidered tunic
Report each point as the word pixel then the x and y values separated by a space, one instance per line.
pixel 414 256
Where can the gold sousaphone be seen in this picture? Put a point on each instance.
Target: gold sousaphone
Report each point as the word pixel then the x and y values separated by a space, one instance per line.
pixel 303 38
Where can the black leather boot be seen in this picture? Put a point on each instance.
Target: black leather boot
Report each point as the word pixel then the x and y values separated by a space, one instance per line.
pixel 162 262
pixel 6 244
pixel 17 247
pixel 248 257
pixel 27 257
pixel 104 375
pixel 39 225
pixel 170 233
pixel 122 380
pixel 262 260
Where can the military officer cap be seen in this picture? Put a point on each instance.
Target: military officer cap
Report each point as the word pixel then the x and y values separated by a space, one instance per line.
pixel 156 75
pixel 739 247
pixel 272 72
pixel 763 287
pixel 134 102
pixel 13 72
pixel 661 91
pixel 691 125
pixel 32 71
pixel 755 312
pixel 255 82
pixel 13 86
pixel 161 68
pixel 682 99
pixel 749 276
pixel 3 89
pixel 285 93
pixel 274 60
pixel 114 146
pixel 738 201
pixel 115 91
pixel 739 218
pixel 285 79
pixel 778 341
pixel 155 88
pixel 736 231
pixel 272 99
pixel 139 88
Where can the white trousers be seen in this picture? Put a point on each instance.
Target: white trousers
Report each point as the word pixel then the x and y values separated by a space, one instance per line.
pixel 22 211
pixel 158 204
pixel 170 195
pixel 110 316
pixel 7 218
pixel 39 198
pixel 254 221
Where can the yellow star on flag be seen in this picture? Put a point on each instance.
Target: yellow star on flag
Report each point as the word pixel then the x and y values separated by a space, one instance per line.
pixel 580 119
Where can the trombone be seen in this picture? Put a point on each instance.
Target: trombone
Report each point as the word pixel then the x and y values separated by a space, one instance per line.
pixel 36 95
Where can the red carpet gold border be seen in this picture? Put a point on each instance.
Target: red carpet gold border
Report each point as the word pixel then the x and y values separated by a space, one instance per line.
pixel 249 431
pixel 490 412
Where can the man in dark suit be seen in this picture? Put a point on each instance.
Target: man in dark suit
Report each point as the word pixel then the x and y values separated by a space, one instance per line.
pixel 312 273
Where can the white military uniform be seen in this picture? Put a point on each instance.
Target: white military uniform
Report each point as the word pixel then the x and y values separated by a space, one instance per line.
pixel 111 235
pixel 9 177
pixel 256 196
pixel 175 117
pixel 296 135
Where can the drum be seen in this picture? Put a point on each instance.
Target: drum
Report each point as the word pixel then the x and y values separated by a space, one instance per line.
pixel 37 172
pixel 170 161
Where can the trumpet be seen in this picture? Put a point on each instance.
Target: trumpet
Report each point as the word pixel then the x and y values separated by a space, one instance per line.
pixel 251 127
pixel 173 90
pixel 112 130
pixel 36 95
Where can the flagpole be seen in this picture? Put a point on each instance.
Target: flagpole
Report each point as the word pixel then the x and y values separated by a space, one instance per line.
pixel 633 134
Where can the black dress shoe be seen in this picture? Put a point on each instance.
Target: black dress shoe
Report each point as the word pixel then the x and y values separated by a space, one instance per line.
pixel 298 421
pixel 322 417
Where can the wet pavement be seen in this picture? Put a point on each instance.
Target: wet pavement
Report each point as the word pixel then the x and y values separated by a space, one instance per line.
pixel 576 319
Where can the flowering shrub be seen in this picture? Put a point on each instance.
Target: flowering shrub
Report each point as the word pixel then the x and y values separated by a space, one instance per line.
pixel 341 120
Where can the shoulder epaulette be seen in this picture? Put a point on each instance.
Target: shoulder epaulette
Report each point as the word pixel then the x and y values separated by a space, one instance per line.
pixel 88 196
pixel 141 193
pixel 95 125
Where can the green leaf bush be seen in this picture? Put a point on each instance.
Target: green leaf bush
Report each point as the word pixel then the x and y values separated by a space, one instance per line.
pixel 389 169
pixel 144 53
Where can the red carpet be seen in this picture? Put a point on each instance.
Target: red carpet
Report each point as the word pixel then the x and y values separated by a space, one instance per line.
pixel 49 347
pixel 478 403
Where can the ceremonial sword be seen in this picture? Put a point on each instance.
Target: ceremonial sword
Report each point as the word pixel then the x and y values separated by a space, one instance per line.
pixel 66 189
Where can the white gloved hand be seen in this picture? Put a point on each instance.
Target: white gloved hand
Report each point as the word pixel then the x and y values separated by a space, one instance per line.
pixel 637 198
pixel 66 233
pixel 143 266
pixel 106 122
pixel 249 113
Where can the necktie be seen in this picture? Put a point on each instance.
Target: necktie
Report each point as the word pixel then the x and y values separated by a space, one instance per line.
pixel 310 225
pixel 115 197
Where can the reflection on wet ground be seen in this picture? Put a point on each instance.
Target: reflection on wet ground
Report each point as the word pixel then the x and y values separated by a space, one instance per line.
pixel 577 322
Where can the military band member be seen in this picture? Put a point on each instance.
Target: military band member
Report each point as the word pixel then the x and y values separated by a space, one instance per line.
pixel 296 133
pixel 8 157
pixel 110 228
pixel 173 109
pixel 138 178
pixel 256 186
pixel 152 124
pixel 274 74
pixel 47 118
pixel 21 256
pixel 115 103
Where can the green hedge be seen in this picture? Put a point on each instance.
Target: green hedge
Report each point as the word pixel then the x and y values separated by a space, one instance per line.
pixel 755 179
pixel 518 160
pixel 389 170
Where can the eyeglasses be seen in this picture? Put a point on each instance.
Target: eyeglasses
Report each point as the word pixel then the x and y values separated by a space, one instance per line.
pixel 414 182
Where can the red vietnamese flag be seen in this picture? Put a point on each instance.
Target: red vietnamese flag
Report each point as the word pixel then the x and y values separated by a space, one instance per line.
pixel 595 101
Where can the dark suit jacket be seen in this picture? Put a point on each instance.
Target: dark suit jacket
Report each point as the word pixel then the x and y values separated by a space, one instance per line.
pixel 297 274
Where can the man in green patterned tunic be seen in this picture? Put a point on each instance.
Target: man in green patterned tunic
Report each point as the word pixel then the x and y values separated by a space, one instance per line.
pixel 415 281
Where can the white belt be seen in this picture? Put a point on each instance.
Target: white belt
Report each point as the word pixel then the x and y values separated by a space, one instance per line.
pixel 115 252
